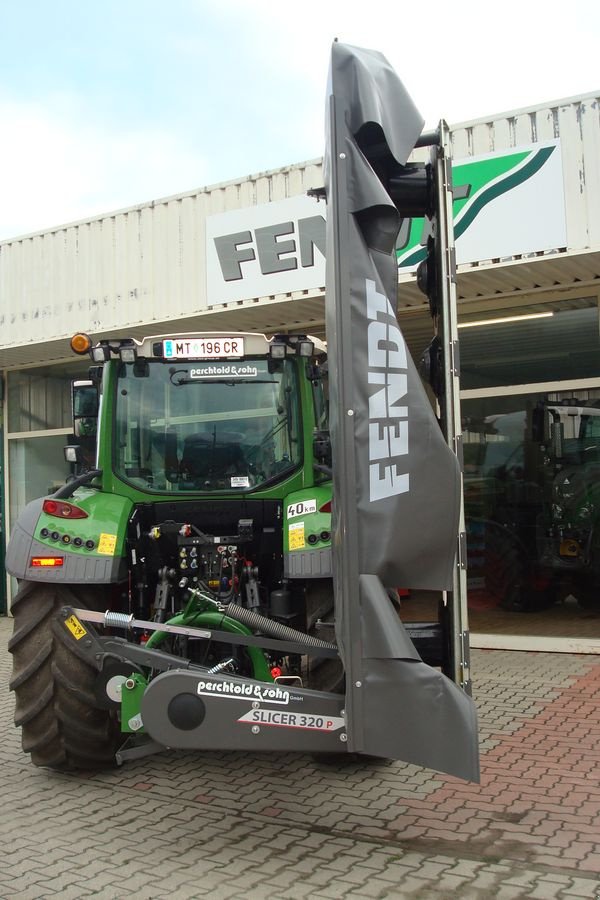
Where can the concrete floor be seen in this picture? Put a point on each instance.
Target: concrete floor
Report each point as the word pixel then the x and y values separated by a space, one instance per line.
pixel 251 826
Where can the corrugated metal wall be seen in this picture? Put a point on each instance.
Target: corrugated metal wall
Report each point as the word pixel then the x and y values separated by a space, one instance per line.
pixel 147 263
pixel 139 265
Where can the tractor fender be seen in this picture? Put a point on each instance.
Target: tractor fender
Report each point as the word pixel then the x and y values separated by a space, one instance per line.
pixel 307 533
pixel 101 564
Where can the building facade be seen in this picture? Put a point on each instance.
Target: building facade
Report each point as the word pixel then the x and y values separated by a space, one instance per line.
pixel 248 255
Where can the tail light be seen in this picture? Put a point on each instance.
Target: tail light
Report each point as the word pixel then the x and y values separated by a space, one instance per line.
pixel 63 510
pixel 47 561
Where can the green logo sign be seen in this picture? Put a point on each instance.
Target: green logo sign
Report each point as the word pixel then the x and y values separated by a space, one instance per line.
pixel 477 183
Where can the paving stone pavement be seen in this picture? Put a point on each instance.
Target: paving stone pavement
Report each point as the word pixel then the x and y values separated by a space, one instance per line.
pixel 230 825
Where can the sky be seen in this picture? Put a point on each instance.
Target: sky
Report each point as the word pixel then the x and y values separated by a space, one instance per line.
pixel 107 104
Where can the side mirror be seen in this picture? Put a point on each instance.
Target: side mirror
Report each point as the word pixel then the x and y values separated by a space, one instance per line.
pixel 85 406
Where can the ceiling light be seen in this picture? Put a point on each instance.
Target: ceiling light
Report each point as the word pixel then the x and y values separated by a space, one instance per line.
pixel 480 322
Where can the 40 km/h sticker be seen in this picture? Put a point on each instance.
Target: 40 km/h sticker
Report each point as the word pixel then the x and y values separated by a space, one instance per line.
pixel 301 508
pixel 284 719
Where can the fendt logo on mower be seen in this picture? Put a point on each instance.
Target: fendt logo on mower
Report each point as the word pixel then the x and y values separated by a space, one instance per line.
pixel 388 422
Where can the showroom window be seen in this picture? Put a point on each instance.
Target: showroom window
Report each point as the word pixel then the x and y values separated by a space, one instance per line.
pixel 553 344
pixel 38 426
pixel 530 403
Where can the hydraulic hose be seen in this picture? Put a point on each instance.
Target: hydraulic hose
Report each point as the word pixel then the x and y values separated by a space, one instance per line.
pixel 260 668
pixel 68 489
pixel 272 628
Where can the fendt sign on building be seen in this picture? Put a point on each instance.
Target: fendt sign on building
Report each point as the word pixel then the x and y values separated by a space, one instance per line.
pixel 259 251
pixel 505 204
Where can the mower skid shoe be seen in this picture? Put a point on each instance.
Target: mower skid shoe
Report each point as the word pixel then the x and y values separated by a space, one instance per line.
pixel 194 711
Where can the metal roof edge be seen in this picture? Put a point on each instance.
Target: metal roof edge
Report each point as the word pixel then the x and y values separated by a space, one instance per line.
pixel 159 201
pixel 268 173
pixel 524 110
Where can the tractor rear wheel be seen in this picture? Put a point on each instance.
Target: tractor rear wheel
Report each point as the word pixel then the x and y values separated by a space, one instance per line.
pixel 63 726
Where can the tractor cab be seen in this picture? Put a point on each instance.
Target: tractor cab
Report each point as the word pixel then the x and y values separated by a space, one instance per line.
pixel 204 413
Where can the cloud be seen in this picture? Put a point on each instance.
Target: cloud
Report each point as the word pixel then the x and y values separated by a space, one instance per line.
pixel 456 61
pixel 56 168
pixel 212 90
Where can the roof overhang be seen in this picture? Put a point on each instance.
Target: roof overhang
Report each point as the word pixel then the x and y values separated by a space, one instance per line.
pixel 482 288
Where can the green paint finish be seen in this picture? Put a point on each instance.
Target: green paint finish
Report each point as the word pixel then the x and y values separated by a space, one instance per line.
pixel 298 524
pixel 106 524
pixel 216 620
pixel 111 483
pixel 132 691
pixel 110 504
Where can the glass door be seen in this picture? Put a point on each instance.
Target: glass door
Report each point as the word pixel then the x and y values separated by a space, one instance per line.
pixel 532 504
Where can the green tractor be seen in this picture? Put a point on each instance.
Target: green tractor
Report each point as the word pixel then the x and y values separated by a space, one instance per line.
pixel 207 508
pixel 202 529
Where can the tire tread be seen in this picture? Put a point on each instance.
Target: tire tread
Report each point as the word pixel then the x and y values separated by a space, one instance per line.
pixel 62 725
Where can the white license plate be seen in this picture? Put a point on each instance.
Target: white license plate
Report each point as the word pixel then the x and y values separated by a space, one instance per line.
pixel 204 348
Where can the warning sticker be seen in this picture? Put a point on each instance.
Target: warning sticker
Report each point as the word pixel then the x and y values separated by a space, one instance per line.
pixel 75 627
pixel 283 719
pixel 107 544
pixel 296 536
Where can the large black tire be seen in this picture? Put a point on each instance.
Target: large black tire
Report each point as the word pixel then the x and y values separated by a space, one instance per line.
pixel 62 725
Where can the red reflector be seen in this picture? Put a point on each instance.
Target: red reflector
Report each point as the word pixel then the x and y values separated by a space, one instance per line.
pixel 63 510
pixel 275 672
pixel 47 561
pixel 326 508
